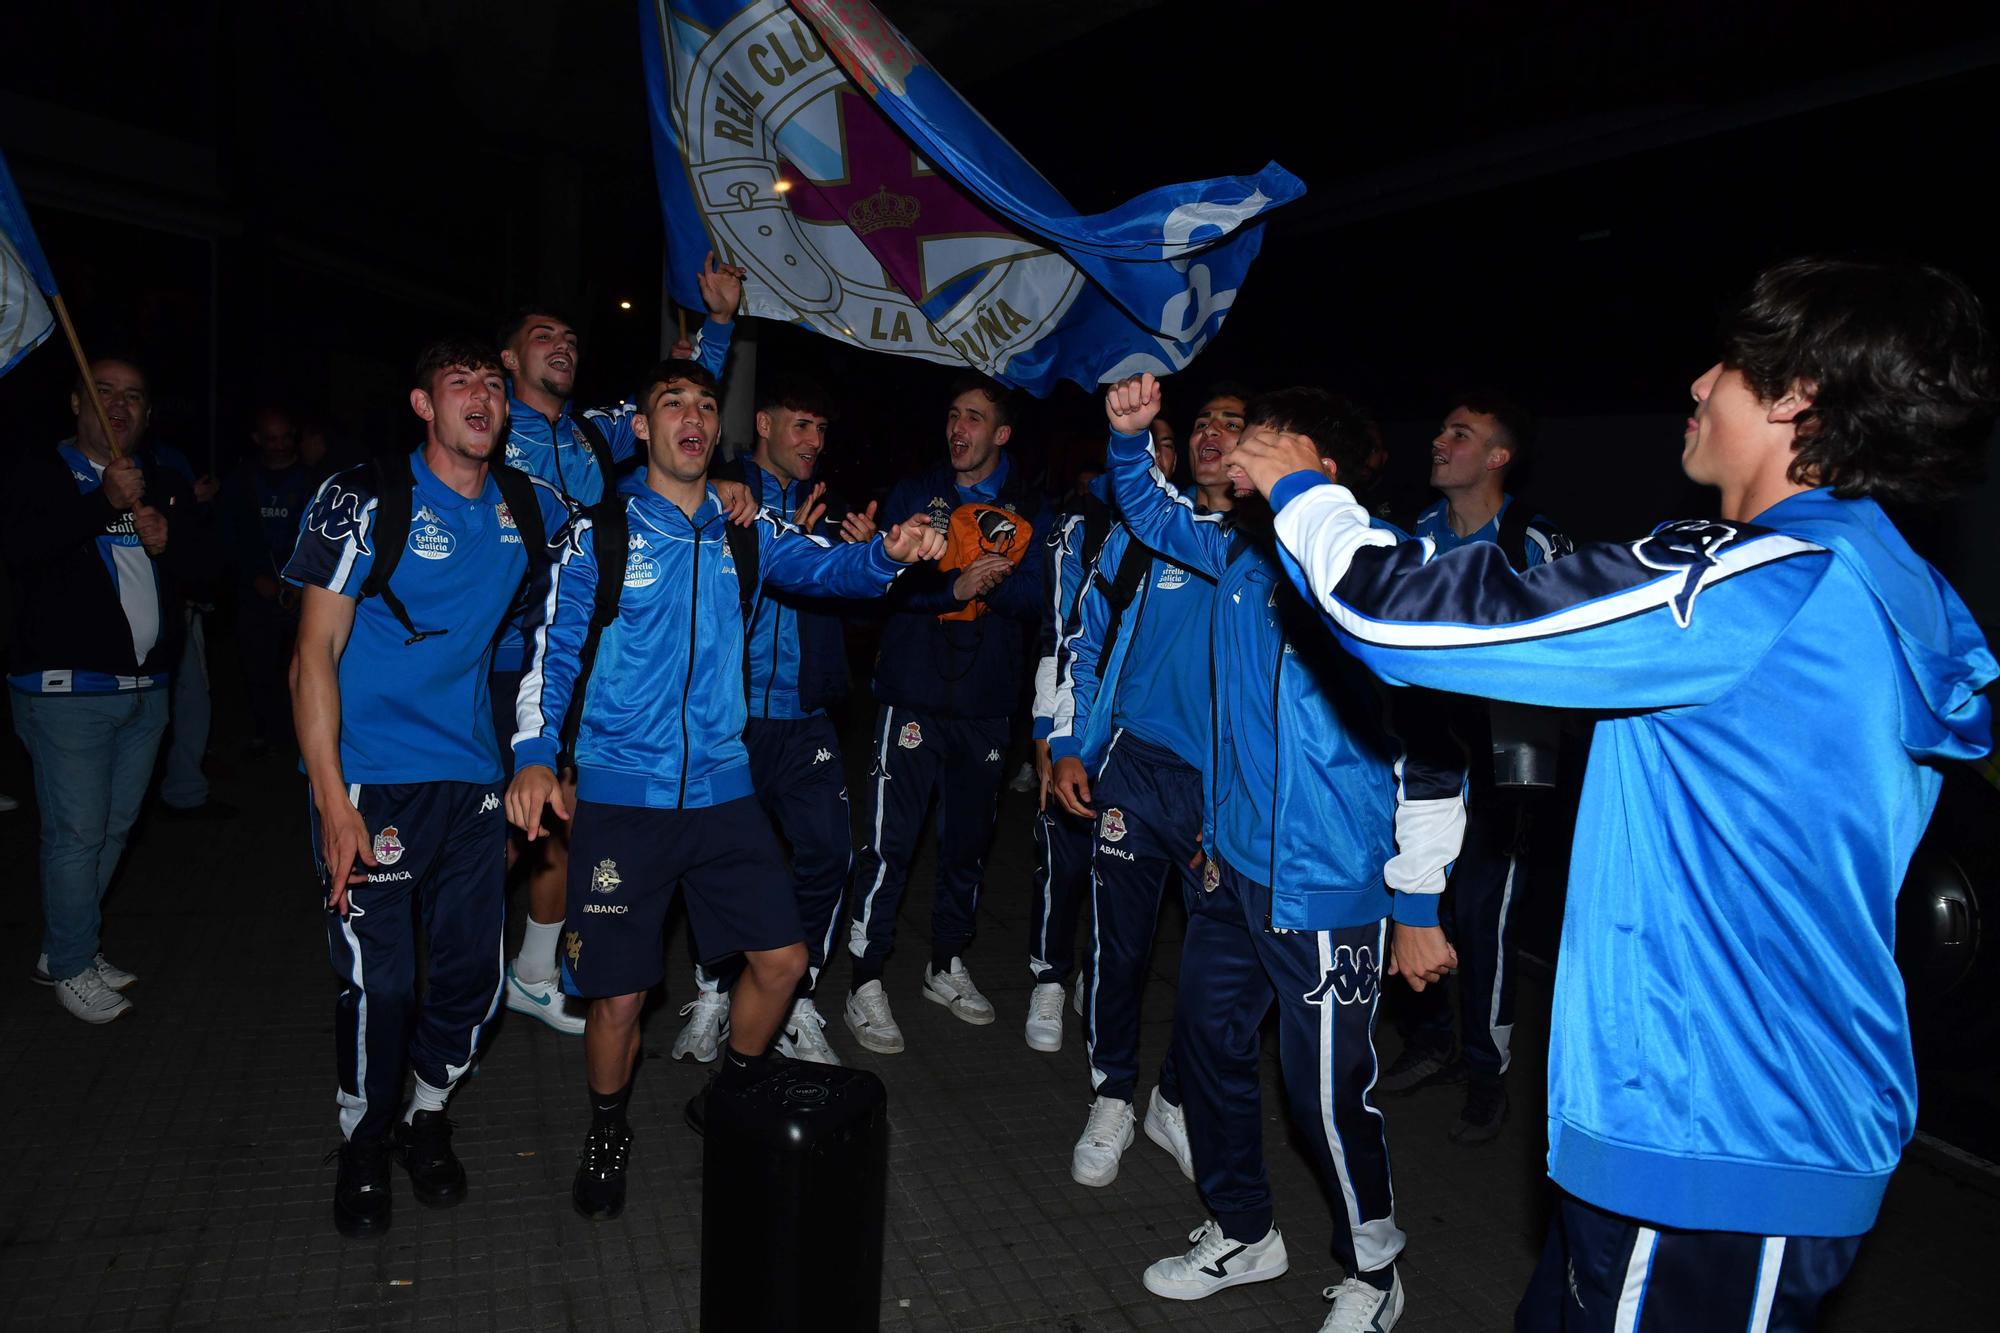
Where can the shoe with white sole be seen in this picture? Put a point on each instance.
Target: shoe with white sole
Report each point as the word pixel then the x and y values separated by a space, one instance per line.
pixel 86 996
pixel 1216 1262
pixel 704 1034
pixel 1360 1308
pixel 1045 1018
pixel 1166 1125
pixel 110 973
pixel 869 1019
pixel 1106 1136
pixel 803 1037
pixel 954 990
pixel 543 1001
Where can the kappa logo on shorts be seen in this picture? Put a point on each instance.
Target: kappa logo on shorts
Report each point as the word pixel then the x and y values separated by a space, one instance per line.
pixel 388 847
pixel 1111 827
pixel 605 879
pixel 821 756
pixel 573 949
pixel 912 737
pixel 992 756
pixel 492 802
pixel 1351 979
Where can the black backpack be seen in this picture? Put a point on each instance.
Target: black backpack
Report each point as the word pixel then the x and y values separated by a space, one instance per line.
pixel 610 533
pixel 392 479
pixel 600 450
pixel 1122 587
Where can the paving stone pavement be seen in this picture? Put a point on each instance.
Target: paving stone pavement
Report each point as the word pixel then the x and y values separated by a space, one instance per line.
pixel 170 1170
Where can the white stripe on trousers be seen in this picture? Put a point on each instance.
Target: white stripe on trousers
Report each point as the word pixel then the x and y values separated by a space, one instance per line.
pixel 1639 1268
pixel 1378 1240
pixel 1502 1037
pixel 1769 1264
pixel 352 1109
pixel 857 937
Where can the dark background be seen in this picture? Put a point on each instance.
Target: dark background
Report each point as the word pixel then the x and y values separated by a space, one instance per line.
pixel 1556 197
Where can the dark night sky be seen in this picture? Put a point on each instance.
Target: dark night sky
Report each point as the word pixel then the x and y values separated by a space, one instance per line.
pixel 1558 197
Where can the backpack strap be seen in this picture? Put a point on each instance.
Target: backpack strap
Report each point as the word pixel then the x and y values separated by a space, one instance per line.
pixel 393 481
pixel 609 533
pixel 1097 520
pixel 519 493
pixel 1513 534
pixel 1133 564
pixel 600 450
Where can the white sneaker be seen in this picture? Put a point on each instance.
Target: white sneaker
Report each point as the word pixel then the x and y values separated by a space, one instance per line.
pixel 543 1001
pixel 86 996
pixel 804 1035
pixel 1045 1017
pixel 1216 1262
pixel 1166 1125
pixel 1360 1308
pixel 955 991
pixel 9 804
pixel 703 1036
pixel 1106 1136
pixel 1025 779
pixel 109 972
pixel 869 1019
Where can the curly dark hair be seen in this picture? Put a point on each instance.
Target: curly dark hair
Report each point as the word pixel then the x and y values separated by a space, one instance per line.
pixel 1337 427
pixel 459 353
pixel 1900 367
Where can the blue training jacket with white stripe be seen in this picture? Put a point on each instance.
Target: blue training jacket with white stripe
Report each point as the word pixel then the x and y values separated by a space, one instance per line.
pixel 1307 788
pixel 1730 1049
pixel 664 710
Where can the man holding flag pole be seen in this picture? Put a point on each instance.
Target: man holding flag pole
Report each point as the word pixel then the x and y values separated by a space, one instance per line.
pixel 96 627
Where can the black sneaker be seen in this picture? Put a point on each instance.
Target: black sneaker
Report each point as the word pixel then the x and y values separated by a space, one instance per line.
pixel 1485 1110
pixel 696 1112
pixel 599 1192
pixel 361 1194
pixel 423 1145
pixel 209 809
pixel 1419 1067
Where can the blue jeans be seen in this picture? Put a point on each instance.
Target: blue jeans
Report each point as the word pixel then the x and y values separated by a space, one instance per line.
pixel 93 755
pixel 184 786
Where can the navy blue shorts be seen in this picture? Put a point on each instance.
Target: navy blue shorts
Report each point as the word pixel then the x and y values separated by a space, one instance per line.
pixel 627 862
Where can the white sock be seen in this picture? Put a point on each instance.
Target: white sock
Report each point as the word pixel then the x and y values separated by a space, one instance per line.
pixel 425 1098
pixel 536 962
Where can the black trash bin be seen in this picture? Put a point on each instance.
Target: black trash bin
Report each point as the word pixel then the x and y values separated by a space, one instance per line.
pixel 793 1176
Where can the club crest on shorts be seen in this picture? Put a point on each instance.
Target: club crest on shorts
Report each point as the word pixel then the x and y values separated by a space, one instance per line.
pixel 1112 826
pixel 1210 876
pixel 912 737
pixel 573 949
pixel 605 879
pixel 388 847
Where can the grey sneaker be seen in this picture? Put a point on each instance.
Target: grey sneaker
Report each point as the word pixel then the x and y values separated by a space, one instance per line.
pixel 1419 1067
pixel 954 990
pixel 86 996
pixel 869 1019
pixel 113 975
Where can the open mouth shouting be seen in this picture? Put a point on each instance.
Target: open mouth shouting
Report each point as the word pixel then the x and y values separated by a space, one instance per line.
pixel 479 421
pixel 692 444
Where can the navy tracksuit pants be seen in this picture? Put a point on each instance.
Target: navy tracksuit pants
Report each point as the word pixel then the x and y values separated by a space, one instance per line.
pixel 1062 882
pixel 917 755
pixel 1603 1273
pixel 1478 915
pixel 803 789
pixel 1149 811
pixel 1327 984
pixel 441 849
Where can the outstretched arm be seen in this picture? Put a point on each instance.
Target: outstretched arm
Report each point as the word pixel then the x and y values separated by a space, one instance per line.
pixel 798 561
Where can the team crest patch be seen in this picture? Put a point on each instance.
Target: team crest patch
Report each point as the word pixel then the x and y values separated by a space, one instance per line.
pixel 388 847
pixel 1112 826
pixel 573 949
pixel 605 878
pixel 912 737
pixel 506 515
pixel 1210 876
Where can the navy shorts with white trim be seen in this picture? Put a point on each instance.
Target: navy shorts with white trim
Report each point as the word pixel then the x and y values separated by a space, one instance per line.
pixel 627 862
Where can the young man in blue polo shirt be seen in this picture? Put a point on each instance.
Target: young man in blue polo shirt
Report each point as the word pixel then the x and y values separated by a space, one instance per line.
pixel 664 788
pixel 396 734
pixel 1730 1075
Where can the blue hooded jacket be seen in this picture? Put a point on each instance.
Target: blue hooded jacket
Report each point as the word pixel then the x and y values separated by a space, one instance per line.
pixel 664 708
pixel 798 652
pixel 1730 1049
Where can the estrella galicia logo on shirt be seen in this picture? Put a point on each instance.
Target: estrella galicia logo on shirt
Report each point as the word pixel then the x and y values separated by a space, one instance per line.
pixel 388 847
pixel 1171 577
pixel 428 537
pixel 1689 546
pixel 641 570
pixel 336 516
pixel 1351 979
pixel 940 513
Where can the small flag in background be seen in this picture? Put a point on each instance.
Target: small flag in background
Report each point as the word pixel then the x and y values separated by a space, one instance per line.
pixel 25 280
pixel 811 144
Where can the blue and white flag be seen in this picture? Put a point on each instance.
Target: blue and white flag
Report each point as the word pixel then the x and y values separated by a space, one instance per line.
pixel 811 144
pixel 25 280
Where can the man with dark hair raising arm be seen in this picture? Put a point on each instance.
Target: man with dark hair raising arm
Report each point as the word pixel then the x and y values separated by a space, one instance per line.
pixel 1730 1075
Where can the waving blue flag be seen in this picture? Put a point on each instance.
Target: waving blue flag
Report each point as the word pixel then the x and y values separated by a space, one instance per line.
pixel 811 144
pixel 25 280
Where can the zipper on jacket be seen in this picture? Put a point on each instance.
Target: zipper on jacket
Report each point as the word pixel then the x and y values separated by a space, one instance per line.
pixel 694 620
pixel 1277 760
pixel 778 608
